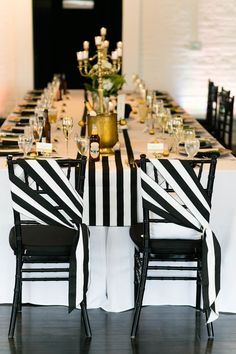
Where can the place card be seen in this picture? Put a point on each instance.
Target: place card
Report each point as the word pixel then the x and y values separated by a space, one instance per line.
pixel 120 107
pixel 44 148
pixel 157 147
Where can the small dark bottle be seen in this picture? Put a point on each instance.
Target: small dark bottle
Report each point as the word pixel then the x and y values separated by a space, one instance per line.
pixel 94 145
pixel 59 92
pixel 64 83
pixel 46 134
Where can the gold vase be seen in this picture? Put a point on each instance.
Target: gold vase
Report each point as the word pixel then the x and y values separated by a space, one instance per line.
pixel 107 130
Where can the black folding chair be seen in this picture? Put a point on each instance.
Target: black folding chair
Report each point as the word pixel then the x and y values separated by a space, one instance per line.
pixel 212 100
pixel 224 120
pixel 176 195
pixel 48 228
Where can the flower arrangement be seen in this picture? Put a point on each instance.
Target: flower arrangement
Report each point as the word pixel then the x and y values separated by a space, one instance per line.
pixel 111 84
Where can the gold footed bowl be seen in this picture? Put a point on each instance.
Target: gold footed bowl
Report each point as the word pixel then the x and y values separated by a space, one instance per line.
pixel 106 124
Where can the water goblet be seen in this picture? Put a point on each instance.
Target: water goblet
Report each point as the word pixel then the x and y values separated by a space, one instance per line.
pixel 82 144
pixel 158 108
pixel 67 125
pixel 189 134
pixel 177 127
pixel 25 144
pixel 165 116
pixel 191 147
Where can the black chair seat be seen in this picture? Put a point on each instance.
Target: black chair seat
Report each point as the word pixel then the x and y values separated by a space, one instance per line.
pixel 166 248
pixel 44 240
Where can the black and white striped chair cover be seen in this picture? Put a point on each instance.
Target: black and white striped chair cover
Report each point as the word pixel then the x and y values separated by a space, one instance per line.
pixel 193 212
pixel 176 200
pixel 58 191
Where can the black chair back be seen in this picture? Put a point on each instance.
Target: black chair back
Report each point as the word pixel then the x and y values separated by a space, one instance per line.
pixel 224 123
pixel 212 99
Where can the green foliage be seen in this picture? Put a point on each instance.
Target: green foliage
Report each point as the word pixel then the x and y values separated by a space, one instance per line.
pixel 111 84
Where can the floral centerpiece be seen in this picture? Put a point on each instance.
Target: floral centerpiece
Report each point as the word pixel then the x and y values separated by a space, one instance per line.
pixel 102 70
pixel 111 85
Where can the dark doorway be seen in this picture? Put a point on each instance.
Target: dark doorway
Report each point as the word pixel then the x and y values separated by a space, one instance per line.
pixel 59 33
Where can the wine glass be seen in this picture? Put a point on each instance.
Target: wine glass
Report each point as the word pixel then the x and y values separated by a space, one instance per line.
pixel 150 123
pixel 177 127
pixel 165 116
pixel 82 144
pixel 191 147
pixel 52 115
pixel 36 125
pixel 158 108
pixel 150 98
pixel 142 111
pixel 25 144
pixel 189 134
pixel 67 125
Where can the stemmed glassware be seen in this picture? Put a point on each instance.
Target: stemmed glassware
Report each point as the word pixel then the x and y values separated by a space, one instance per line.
pixel 158 108
pixel 192 147
pixel 67 126
pixel 177 126
pixel 82 144
pixel 189 133
pixel 165 115
pixel 25 142
pixel 52 115
pixel 36 124
pixel 191 143
pixel 142 111
pixel 150 98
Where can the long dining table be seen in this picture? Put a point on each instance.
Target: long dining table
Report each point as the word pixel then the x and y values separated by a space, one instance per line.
pixel 111 204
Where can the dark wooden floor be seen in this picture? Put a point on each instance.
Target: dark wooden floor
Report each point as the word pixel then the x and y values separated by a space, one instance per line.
pixel 163 329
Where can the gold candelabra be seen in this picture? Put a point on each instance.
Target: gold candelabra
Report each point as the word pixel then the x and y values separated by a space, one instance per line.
pixel 106 65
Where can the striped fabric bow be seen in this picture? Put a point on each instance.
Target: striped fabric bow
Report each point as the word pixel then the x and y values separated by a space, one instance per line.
pixel 58 191
pixel 191 209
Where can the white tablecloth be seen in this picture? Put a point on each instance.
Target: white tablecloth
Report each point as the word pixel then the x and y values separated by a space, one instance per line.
pixel 111 251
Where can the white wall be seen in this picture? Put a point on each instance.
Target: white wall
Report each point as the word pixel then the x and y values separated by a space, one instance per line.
pixel 16 52
pixel 163 33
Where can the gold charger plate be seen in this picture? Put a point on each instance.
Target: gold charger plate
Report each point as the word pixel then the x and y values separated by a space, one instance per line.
pixel 12 151
pixel 14 119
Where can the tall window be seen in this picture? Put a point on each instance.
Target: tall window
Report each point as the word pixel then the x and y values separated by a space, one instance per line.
pixel 78 4
pixel 60 29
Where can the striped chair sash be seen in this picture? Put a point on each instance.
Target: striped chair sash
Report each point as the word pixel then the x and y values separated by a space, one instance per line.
pixel 53 182
pixel 41 192
pixel 187 205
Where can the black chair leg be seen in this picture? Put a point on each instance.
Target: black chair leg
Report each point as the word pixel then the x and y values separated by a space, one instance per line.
pixel 136 276
pixel 198 292
pixel 139 300
pixel 210 329
pixel 85 318
pixel 19 307
pixel 16 299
